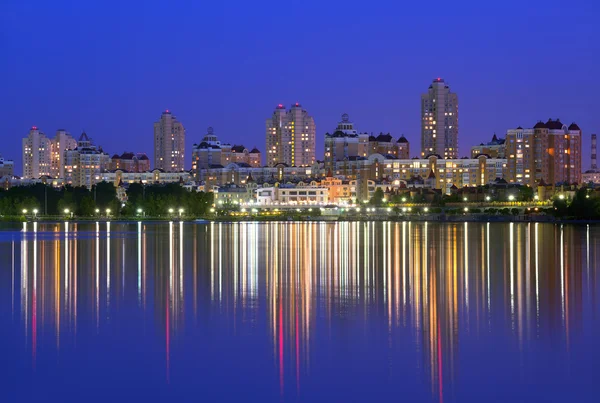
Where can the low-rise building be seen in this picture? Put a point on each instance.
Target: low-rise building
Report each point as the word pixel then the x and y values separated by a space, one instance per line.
pixel 130 162
pixel 156 176
pixel 7 167
pixel 290 194
pixel 496 148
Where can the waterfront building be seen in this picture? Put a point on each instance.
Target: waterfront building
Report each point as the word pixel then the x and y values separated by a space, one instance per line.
pixel 439 121
pixel 169 143
pixel 85 163
pixel 548 152
pixel 7 167
pixel 496 148
pixel 290 137
pixel 37 154
pixel 292 194
pixel 130 162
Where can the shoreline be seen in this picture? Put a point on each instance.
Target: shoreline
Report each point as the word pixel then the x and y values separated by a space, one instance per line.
pixel 330 219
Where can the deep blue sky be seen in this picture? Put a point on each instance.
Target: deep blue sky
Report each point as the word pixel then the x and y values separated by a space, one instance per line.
pixel 111 67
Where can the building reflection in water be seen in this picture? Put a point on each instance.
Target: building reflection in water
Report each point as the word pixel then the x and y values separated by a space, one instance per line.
pixel 443 282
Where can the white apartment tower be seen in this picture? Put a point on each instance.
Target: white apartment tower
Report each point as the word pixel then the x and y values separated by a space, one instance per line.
pixel 290 137
pixel 169 143
pixel 37 155
pixel 439 121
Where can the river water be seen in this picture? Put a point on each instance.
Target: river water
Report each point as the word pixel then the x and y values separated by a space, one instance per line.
pixel 286 312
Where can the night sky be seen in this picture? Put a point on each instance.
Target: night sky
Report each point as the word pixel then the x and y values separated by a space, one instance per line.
pixel 111 67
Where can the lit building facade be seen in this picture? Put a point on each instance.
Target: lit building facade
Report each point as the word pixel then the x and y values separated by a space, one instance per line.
pixel 62 141
pixel 212 153
pixel 290 137
pixel 496 148
pixel 345 142
pixel 85 164
pixel 37 155
pixel 549 152
pixel 155 176
pixel 297 194
pixel 439 121
pixel 169 143
pixel 130 162
pixel 7 167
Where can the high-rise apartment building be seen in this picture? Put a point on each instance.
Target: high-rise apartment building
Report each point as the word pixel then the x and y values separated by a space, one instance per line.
pixel 169 143
pixel 592 175
pixel 37 155
pixel 439 121
pixel 43 156
pixel 85 163
pixel 549 152
pixel 290 137
pixel 62 141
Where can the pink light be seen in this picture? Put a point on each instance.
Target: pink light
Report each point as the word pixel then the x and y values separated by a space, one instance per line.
pixel 34 128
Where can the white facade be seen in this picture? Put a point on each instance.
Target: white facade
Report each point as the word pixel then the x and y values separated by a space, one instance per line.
pixel 147 178
pixel 292 195
pixel 37 155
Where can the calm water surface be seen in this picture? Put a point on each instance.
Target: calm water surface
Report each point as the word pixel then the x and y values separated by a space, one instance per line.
pixel 271 312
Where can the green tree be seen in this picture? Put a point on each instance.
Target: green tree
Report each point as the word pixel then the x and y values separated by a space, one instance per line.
pixel 377 199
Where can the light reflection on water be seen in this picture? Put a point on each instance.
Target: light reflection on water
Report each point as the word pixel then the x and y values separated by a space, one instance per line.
pixel 441 293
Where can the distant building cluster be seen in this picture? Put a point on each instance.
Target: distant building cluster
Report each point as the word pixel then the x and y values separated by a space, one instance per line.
pixel 353 165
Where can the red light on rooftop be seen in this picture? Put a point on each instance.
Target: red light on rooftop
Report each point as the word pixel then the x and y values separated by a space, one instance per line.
pixel 33 127
pixel 167 111
pixel 297 104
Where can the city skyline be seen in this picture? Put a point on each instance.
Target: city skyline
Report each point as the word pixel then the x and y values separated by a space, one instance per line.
pixel 116 102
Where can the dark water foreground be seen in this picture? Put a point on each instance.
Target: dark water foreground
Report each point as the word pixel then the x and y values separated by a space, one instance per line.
pixel 362 312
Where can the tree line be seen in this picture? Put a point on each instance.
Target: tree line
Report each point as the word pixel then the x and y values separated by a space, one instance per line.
pixel 153 200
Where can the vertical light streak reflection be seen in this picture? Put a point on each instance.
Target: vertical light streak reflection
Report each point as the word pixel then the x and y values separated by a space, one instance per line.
pixel 108 268
pixel 466 258
pixel 97 288
pixel 487 254
pixel 25 281
pixel 562 274
pixel 537 277
pixel 181 261
pixel 139 259
pixel 512 280
pixel 34 297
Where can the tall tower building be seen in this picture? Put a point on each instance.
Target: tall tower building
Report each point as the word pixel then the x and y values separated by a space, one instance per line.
pixel 594 155
pixel 169 143
pixel 37 154
pixel 290 137
pixel 439 121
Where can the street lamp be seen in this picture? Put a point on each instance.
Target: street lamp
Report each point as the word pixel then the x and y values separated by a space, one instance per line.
pixel 488 198
pixel 24 211
pixel 140 212
pixel 465 199
pixel 171 211
pixel 180 212
pixel 35 211
pixel 536 197
pixel 466 209
pixel 426 209
pixel 511 198
pixel 404 200
pixel 97 211
pixel 107 212
pixel 561 197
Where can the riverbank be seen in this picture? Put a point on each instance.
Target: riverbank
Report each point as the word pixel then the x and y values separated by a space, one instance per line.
pixel 318 218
